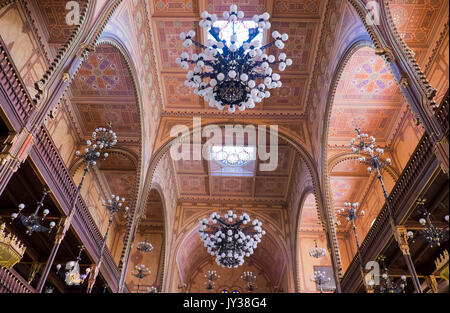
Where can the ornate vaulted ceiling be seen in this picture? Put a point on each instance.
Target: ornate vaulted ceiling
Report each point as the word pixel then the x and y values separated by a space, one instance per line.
pixel 53 14
pixel 367 97
pixel 102 92
pixel 419 23
pixel 286 107
pixel 196 180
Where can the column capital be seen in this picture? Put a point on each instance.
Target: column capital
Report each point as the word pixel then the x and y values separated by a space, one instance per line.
pixel 401 236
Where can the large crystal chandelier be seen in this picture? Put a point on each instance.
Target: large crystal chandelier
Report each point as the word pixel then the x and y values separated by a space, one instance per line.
pixel 229 239
pixel 233 71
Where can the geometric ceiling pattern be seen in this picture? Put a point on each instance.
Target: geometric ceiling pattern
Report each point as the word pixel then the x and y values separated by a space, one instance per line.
pixel 367 97
pixel 418 23
pixel 199 179
pixel 53 14
pixel 103 91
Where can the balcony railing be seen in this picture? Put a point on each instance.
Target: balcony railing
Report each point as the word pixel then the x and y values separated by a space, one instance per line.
pixel 12 282
pixel 16 101
pixel 418 168
pixel 50 164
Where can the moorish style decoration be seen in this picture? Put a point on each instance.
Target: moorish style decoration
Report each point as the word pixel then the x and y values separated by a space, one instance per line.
pixel 11 249
pixel 233 70
pixel 229 239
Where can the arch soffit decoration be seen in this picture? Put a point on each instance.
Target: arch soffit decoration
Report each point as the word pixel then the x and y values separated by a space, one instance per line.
pixel 388 32
pixel 342 157
pixel 305 156
pixel 348 53
pixel 306 193
pixel 165 252
pixel 327 165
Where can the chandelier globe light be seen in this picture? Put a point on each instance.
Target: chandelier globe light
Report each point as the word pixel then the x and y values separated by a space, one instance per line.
pixel 230 238
pixel 234 72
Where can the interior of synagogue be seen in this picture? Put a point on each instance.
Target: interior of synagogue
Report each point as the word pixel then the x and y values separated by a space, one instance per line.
pixel 218 146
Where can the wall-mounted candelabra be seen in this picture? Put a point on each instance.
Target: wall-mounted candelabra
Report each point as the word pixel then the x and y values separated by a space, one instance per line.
pixel 102 138
pixel 211 276
pixel 320 279
pixel 373 158
pixel 250 279
pixel 113 205
pixel 32 222
pixel 433 235
pixel 140 272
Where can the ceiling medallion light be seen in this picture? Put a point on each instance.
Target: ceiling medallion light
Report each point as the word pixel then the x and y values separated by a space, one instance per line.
pixel 234 72
pixel 229 239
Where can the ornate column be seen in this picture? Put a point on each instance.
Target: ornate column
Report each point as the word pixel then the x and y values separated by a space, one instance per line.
pixel 401 236
pixel 62 230
pixel 14 150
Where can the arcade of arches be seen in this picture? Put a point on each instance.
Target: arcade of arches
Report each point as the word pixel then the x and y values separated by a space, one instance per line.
pixel 60 82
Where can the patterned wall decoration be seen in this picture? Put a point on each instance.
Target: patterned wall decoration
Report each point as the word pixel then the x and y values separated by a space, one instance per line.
pixel 367 97
pixel 178 95
pixel 163 7
pixel 54 14
pixel 18 36
pixel 104 73
pixel 170 46
pixel 250 7
pixel 290 97
pixel 298 7
pixel 103 91
pixel 419 22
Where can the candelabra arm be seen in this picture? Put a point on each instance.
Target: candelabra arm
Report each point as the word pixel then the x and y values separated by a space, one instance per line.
pixel 41 202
